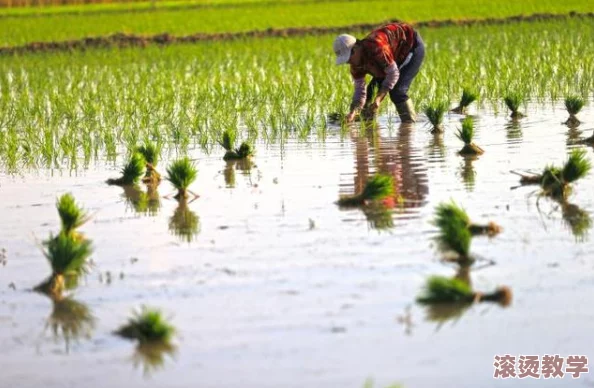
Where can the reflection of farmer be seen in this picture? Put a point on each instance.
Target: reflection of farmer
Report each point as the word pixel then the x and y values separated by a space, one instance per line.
pixel 394 157
pixel 392 55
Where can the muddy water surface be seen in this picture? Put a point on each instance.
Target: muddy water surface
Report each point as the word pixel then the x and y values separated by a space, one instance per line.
pixel 272 285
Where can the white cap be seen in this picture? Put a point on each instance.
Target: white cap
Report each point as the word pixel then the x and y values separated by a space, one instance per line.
pixel 343 44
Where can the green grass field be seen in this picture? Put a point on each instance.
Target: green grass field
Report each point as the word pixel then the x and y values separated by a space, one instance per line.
pixel 62 109
pixel 258 16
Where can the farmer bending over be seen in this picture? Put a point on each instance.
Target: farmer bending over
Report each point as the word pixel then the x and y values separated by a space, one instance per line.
pixel 393 55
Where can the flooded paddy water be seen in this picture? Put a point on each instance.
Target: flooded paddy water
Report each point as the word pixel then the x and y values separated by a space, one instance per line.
pixel 270 284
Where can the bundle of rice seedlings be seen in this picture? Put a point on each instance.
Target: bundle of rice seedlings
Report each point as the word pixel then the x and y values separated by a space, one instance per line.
pixel 132 171
pixel 468 97
pixel 181 174
pixel 150 151
pixel 455 236
pixel 466 133
pixel 513 102
pixel 443 290
pixel 450 213
pixel 377 188
pixel 72 216
pixel 67 256
pixel 227 142
pixel 556 181
pixel 339 118
pixel 70 320
pixel 435 115
pixel 185 224
pixel 573 104
pixel 147 326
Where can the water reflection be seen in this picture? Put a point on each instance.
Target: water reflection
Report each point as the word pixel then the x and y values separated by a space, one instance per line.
pixel 468 173
pixel 185 224
pixel 514 131
pixel 151 356
pixel 394 156
pixel 243 165
pixel 577 219
pixel 70 320
pixel 143 202
pixel 437 150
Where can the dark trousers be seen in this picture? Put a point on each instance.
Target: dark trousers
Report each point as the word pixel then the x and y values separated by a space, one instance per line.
pixel 408 73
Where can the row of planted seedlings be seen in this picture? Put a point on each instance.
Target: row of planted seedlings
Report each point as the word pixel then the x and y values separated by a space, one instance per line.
pixel 101 100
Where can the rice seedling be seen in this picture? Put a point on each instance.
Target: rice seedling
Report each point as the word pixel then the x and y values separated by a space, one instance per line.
pixel 70 320
pixel 377 188
pixel 150 152
pixel 443 290
pixel 339 118
pixel 450 213
pixel 181 173
pixel 72 216
pixel 513 102
pixel 455 237
pixel 435 115
pixel 185 224
pixel 227 142
pixel 468 97
pixel 574 105
pixel 147 326
pixel 132 171
pixel 67 256
pixel 466 133
pixel 556 181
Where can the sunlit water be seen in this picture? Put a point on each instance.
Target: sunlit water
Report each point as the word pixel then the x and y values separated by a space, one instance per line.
pixel 278 287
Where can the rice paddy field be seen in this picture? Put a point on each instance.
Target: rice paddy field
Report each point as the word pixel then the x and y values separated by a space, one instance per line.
pixel 251 274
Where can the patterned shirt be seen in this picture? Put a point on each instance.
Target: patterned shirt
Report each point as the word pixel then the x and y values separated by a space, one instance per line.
pixel 382 52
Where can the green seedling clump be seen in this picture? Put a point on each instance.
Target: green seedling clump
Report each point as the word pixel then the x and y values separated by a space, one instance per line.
pixel 466 134
pixel 450 213
pixel 513 102
pixel 147 326
pixel 435 115
pixel 444 290
pixel 468 97
pixel 67 256
pixel 377 188
pixel 556 181
pixel 244 151
pixel 72 216
pixel 132 171
pixel 574 105
pixel 181 174
pixel 150 152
